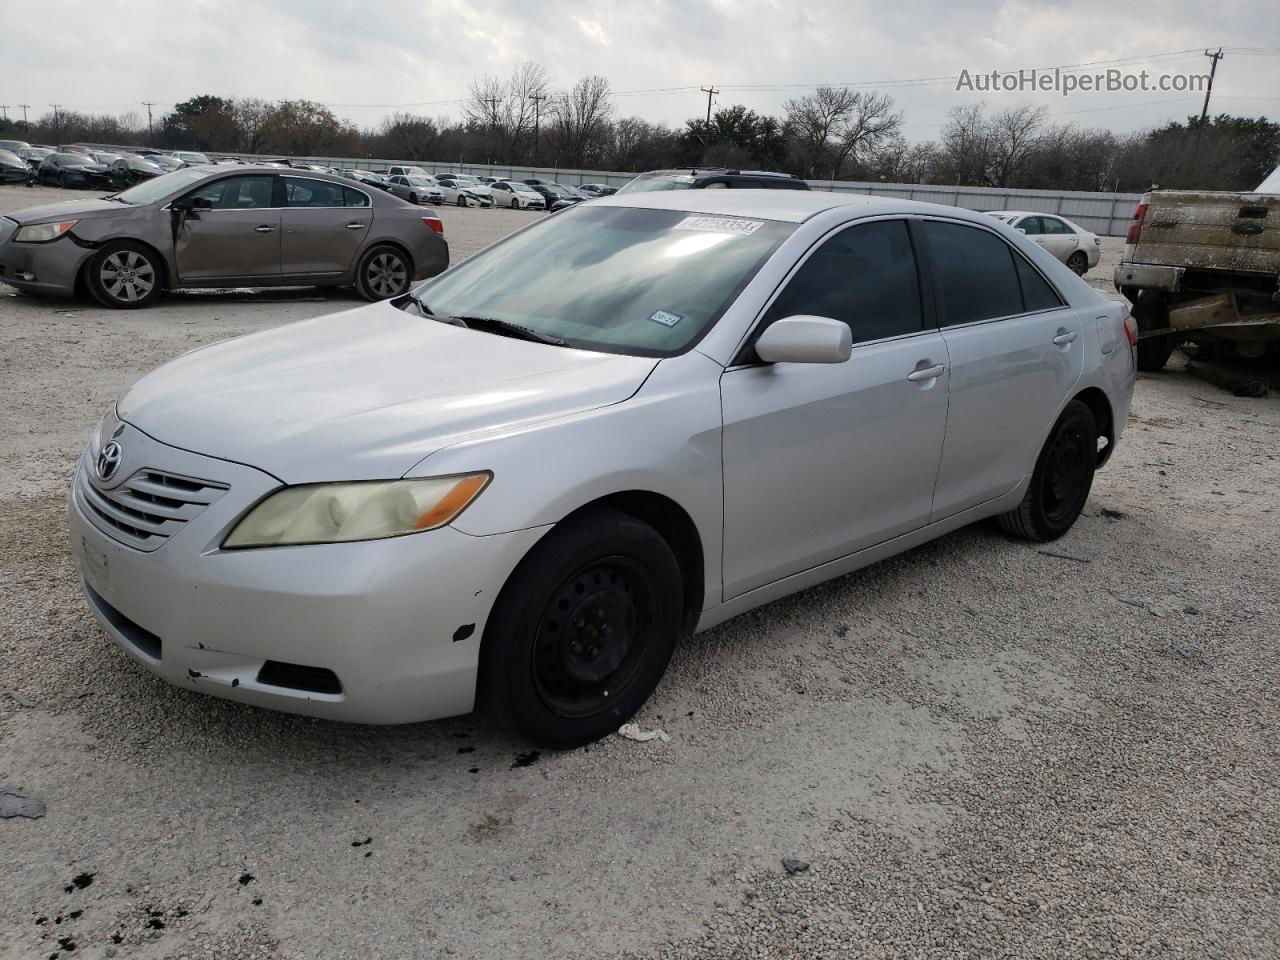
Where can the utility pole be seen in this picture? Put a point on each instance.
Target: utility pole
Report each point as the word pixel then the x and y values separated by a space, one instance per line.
pixel 4 109
pixel 57 126
pixel 25 107
pixel 537 99
pixel 710 92
pixel 1213 68
pixel 151 134
pixel 493 124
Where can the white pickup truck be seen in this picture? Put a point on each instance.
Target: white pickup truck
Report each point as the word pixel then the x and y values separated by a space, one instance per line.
pixel 1204 268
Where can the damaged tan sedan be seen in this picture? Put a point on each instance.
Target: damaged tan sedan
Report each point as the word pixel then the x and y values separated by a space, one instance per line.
pixel 213 227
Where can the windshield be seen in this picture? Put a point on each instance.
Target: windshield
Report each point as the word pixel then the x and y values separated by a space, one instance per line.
pixel 521 187
pixel 615 279
pixel 194 157
pixel 421 181
pixel 159 187
pixel 647 182
pixel 467 181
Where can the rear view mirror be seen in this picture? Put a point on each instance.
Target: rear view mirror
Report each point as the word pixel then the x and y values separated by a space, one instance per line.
pixel 193 203
pixel 803 339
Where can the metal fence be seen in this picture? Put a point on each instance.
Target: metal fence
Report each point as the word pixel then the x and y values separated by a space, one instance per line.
pixel 1107 214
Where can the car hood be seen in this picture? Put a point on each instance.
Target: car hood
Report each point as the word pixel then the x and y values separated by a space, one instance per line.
pixel 365 394
pixel 67 210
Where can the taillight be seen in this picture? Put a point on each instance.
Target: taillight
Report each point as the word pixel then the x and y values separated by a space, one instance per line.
pixel 435 223
pixel 1131 329
pixel 1135 227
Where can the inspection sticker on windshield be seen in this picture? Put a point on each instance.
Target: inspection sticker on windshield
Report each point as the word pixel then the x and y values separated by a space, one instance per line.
pixel 665 318
pixel 720 225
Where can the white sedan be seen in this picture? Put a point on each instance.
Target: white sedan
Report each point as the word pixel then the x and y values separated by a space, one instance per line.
pixel 468 186
pixel 1071 243
pixel 522 484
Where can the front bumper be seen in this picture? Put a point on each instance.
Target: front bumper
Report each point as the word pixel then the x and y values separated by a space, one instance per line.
pixel 397 622
pixel 40 267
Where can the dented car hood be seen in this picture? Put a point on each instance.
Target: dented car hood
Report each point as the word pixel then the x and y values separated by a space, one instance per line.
pixel 365 394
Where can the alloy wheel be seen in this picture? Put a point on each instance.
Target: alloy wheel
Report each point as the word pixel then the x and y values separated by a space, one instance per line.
pixel 127 276
pixel 386 275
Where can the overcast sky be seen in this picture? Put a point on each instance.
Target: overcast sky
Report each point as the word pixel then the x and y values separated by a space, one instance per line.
pixel 368 58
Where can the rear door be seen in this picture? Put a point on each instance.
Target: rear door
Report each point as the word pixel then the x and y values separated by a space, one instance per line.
pixel 325 224
pixel 1059 239
pixel 238 238
pixel 822 460
pixel 1016 352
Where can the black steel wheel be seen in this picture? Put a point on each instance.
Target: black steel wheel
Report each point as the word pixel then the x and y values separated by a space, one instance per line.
pixel 384 272
pixel 583 630
pixel 1062 478
pixel 1079 263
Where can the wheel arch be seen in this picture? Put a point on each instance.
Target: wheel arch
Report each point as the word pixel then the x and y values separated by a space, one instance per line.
pixel 166 268
pixel 383 242
pixel 1096 400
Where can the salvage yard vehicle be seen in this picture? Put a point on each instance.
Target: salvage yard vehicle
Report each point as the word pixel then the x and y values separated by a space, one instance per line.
pixel 73 170
pixel 127 171
pixel 416 189
pixel 714 178
pixel 1078 248
pixel 516 195
pixel 222 226
pixel 1204 268
pixel 13 169
pixel 521 483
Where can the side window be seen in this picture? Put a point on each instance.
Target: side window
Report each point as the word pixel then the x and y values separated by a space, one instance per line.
pixel 1036 292
pixel 312 193
pixel 1054 225
pixel 354 198
pixel 238 193
pixel 864 276
pixel 973 273
pixel 1030 226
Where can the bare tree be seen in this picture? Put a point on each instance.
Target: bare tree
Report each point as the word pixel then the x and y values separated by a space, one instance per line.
pixel 505 110
pixel 812 121
pixel 580 121
pixel 870 122
pixel 1011 137
pixel 965 147
pixel 251 116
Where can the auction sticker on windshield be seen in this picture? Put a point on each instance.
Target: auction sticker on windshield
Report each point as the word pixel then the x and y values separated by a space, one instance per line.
pixel 720 225
pixel 666 318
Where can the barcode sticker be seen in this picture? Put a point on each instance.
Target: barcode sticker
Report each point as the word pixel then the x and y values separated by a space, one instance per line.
pixel 720 225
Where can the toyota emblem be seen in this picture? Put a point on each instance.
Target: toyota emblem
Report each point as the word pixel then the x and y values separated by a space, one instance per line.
pixel 109 458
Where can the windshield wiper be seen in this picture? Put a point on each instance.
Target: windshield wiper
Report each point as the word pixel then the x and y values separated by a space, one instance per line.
pixel 427 312
pixel 511 330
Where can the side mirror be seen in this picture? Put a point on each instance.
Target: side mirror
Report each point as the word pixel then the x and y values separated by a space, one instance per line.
pixel 1022 230
pixel 803 339
pixel 193 203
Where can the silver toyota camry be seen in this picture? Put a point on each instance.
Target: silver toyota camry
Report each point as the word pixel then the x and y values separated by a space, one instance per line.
pixel 520 484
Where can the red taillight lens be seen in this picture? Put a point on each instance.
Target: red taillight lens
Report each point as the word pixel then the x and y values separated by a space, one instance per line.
pixel 435 223
pixel 1131 329
pixel 1135 228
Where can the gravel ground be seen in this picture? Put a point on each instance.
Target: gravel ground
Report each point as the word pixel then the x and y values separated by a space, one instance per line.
pixel 981 750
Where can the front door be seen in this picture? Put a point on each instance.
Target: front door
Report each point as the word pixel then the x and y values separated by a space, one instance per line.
pixel 1016 350
pixel 238 238
pixel 325 225
pixel 823 460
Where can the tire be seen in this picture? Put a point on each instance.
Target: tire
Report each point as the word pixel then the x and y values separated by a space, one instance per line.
pixel 1062 478
pixel 413 198
pixel 1079 263
pixel 1152 313
pixel 384 272
pixel 62 180
pixel 125 275
pixel 515 204
pixel 582 631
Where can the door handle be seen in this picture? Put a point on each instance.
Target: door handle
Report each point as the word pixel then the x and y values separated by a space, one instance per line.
pixel 355 225
pixel 927 373
pixel 1063 339
pixel 263 229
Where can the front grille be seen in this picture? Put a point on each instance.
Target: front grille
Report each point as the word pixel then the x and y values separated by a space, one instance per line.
pixel 148 508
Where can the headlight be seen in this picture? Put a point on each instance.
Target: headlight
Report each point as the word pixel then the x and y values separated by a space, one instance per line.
pixel 342 512
pixel 43 232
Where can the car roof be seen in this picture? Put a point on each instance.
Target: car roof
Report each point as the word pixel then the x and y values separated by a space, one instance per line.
pixel 792 206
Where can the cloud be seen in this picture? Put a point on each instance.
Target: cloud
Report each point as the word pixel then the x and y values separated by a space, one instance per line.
pixel 592 30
